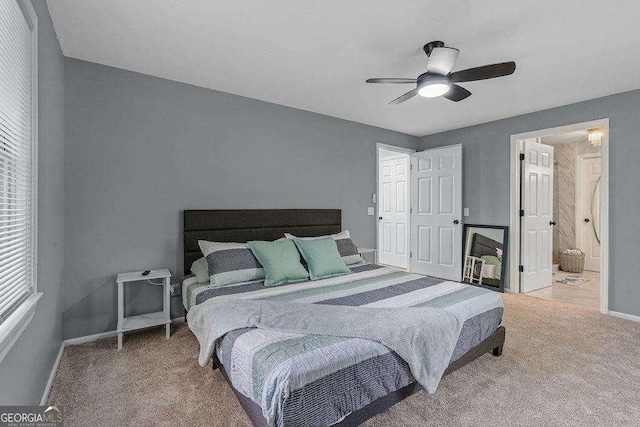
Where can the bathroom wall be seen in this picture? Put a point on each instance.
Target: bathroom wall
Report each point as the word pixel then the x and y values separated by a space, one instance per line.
pixel 564 198
pixel 564 193
pixel 583 147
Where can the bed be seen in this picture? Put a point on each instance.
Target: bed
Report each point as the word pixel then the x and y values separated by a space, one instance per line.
pixel 310 380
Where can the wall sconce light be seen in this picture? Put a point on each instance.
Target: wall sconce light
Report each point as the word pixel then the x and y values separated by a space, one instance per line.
pixel 595 137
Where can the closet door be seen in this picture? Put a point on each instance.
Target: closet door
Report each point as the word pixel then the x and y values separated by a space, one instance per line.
pixel 393 212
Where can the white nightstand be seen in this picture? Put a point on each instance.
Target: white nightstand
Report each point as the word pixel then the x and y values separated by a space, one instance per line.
pixel 362 251
pixel 132 323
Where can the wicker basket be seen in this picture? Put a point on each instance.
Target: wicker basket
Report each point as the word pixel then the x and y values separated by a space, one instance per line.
pixel 572 262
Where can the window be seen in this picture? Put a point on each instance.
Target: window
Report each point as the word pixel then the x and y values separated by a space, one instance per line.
pixel 18 178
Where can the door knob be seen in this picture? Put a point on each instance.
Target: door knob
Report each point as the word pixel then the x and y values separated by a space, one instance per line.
pixel 380 218
pixel 552 223
pixel 455 221
pixel 586 220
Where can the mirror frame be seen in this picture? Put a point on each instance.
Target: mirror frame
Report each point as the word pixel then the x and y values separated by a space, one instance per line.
pixel 505 254
pixel 596 192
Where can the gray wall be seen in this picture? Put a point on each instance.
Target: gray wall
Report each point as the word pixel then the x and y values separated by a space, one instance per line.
pixel 25 369
pixel 486 177
pixel 139 150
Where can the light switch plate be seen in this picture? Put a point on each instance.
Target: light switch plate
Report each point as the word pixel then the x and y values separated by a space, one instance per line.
pixel 370 211
pixel 466 212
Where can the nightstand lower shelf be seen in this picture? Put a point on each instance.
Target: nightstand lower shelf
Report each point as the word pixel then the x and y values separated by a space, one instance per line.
pixel 133 323
pixel 362 251
pixel 143 321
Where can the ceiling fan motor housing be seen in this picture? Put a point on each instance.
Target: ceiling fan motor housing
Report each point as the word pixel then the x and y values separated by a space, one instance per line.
pixel 428 48
pixel 432 78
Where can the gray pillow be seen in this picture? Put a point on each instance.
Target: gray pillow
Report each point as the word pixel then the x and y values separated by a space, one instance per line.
pixel 230 263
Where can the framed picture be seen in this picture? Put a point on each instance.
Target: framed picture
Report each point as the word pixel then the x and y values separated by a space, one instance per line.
pixel 484 261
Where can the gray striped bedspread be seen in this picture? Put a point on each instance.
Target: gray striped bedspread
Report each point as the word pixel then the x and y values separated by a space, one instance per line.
pixel 300 379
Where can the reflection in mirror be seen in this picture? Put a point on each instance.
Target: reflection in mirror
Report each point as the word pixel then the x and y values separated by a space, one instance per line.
pixel 595 209
pixel 485 255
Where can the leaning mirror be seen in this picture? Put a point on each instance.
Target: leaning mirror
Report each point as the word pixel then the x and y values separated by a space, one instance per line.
pixel 485 255
pixel 595 209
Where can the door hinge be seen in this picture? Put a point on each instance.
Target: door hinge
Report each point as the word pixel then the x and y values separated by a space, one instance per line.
pixel 410 254
pixel 521 268
pixel 410 210
pixel 521 212
pixel 521 156
pixel 411 166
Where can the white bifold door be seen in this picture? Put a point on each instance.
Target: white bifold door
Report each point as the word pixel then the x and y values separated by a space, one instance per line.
pixel 436 212
pixel 537 224
pixel 393 212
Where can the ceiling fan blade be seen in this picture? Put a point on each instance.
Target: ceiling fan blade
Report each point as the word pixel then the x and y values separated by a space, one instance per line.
pixel 406 96
pixel 484 72
pixel 442 60
pixel 457 93
pixel 391 80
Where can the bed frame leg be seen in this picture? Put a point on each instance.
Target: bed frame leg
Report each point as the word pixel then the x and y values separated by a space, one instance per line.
pixel 214 362
pixel 185 315
pixel 498 350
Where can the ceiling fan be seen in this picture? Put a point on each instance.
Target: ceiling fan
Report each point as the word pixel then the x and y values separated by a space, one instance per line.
pixel 440 81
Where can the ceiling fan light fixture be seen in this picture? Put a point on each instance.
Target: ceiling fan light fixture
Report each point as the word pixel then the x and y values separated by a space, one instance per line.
pixel 432 85
pixel 433 90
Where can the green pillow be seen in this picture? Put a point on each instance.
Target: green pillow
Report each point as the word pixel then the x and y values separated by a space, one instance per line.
pixel 491 260
pixel 322 257
pixel 280 260
pixel 200 268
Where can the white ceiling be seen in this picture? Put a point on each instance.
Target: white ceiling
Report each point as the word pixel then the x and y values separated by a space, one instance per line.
pixel 316 55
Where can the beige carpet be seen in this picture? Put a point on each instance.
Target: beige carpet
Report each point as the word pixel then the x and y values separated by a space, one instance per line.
pixel 562 365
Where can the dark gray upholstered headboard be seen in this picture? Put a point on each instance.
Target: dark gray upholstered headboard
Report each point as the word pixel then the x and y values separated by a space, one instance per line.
pixel 482 245
pixel 245 225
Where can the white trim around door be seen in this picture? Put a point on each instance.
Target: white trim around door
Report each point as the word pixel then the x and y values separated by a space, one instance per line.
pixel 514 233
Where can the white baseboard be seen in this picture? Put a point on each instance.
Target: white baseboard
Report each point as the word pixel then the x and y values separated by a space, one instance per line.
pixel 625 316
pixel 52 375
pixel 71 341
pixel 90 338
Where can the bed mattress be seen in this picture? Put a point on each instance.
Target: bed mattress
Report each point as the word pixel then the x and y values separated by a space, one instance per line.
pixel 315 380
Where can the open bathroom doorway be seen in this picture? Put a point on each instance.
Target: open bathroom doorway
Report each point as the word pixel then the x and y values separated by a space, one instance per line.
pixel 561 214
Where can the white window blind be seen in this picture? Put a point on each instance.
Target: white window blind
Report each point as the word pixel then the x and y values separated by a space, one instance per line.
pixel 17 154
